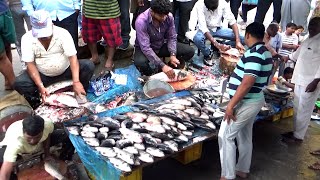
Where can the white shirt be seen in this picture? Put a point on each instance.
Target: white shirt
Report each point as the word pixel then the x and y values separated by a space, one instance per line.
pixel 16 143
pixel 210 20
pixel 51 62
pixel 289 40
pixel 308 61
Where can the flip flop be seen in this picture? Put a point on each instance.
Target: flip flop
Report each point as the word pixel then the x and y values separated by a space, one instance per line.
pixel 317 152
pixel 315 166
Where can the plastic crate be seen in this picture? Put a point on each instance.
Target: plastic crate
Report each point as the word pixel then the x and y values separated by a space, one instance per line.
pixel 135 175
pixel 276 117
pixel 190 154
pixel 287 113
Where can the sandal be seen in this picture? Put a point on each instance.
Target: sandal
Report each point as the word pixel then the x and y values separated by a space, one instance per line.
pixel 96 62
pixel 315 166
pixel 317 152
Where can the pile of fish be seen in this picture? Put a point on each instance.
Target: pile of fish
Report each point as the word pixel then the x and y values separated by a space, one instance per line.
pixel 151 132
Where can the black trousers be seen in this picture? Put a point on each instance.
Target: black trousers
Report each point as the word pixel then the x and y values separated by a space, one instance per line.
pixel 71 25
pixel 263 7
pixel 183 9
pixel 184 53
pixel 234 6
pixel 26 86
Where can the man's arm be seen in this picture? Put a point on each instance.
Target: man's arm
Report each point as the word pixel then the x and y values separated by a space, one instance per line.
pixel 172 36
pixel 243 89
pixel 46 146
pixel 6 170
pixel 74 66
pixel 35 76
pixel 235 30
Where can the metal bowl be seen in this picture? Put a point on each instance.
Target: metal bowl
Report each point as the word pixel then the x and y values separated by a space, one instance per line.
pixel 155 88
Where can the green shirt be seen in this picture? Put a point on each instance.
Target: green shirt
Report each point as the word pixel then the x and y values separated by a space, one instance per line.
pixel 101 9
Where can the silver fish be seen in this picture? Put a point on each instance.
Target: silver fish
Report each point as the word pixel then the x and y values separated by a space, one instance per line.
pixel 173 145
pixel 131 150
pixel 153 120
pixel 90 128
pixel 108 143
pixel 181 126
pixel 187 133
pixel 52 168
pixel 107 152
pixel 125 156
pixel 184 102
pixel 87 134
pixel 167 120
pixel 204 116
pixel 124 143
pixel 166 111
pixel 74 130
pixel 137 162
pixel 120 164
pixel 166 126
pixel 131 135
pixel 139 146
pixel 155 152
pixel 156 128
pixel 145 157
pixel 137 117
pixel 183 138
pixel 210 125
pixel 92 141
pixel 183 115
pixel 172 106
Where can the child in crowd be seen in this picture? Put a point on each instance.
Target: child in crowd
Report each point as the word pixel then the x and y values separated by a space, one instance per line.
pixel 298 32
pixel 290 43
pixel 287 76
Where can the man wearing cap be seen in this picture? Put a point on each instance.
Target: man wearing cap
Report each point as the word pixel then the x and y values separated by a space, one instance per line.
pixel 50 55
pixel 64 13
pixel 7 36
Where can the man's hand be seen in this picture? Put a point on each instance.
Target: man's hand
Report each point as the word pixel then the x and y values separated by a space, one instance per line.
pixel 223 47
pixel 174 61
pixel 78 88
pixel 240 47
pixel 44 93
pixel 312 86
pixel 229 115
pixel 295 46
pixel 168 71
pixel 285 58
pixel 6 170
pixel 140 3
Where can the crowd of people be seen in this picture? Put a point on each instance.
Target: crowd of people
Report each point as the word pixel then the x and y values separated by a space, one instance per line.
pixel 48 53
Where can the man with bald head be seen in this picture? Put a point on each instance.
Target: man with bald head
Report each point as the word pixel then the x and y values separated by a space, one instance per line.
pixel 306 77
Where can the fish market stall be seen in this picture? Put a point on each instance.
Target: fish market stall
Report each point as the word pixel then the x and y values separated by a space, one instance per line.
pixel 125 139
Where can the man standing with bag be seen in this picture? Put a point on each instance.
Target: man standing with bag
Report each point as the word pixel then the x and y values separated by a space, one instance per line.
pixel 246 83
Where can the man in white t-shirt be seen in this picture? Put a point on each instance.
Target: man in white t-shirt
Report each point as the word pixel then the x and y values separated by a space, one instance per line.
pixel 290 43
pixel 50 55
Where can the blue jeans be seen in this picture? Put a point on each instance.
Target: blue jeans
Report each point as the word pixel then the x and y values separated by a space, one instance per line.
pixel 125 20
pixel 224 33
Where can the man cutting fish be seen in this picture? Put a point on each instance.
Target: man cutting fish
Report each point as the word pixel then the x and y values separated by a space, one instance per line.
pixel 29 136
pixel 156 39
pixel 50 55
pixel 245 90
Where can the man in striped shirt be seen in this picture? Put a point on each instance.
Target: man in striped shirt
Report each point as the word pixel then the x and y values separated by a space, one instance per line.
pixel 245 84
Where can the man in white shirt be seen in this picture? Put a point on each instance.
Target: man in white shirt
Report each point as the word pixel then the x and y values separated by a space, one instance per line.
pixel 50 55
pixel 209 15
pixel 306 77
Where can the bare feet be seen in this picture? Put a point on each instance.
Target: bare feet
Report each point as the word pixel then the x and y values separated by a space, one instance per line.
pixel 242 174
pixel 95 60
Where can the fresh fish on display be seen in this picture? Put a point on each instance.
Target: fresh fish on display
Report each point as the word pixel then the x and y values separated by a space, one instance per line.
pixel 106 151
pixel 93 117
pixel 193 112
pixel 135 126
pixel 181 126
pixel 189 125
pixel 145 157
pixel 125 156
pixel 182 138
pixel 95 124
pixel 165 148
pixel 104 129
pixel 198 120
pixel 131 135
pixel 168 120
pixel 158 140
pixel 101 136
pixel 92 141
pixel 204 127
pixel 156 128
pixel 164 137
pixel 137 117
pixel 90 128
pixel 114 132
pixel 204 116
pixel 131 150
pixel 155 152
pixel 63 99
pixel 175 130
pixel 122 143
pixel 74 130
pixel 193 102
pixel 172 106
pixel 183 115
pixel 139 146
pixel 108 143
pixel 166 111
pixel 115 137
pixel 149 140
pixel 128 123
pixel 153 120
pixel 180 75
pixel 173 145
pixel 109 122
pixel 137 162
pixel 210 125
pixel 209 108
pixel 140 130
pixel 166 127
pixel 87 134
pixel 120 164
pixel 120 117
pixel 187 133
pixel 52 167
pixel 184 102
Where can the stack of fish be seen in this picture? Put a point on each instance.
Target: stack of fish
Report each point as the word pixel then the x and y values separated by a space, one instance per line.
pixel 156 130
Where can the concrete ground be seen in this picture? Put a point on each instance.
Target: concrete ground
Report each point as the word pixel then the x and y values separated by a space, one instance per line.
pixel 272 159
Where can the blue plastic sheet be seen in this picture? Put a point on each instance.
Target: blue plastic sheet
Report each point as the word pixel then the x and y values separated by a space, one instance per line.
pixel 132 85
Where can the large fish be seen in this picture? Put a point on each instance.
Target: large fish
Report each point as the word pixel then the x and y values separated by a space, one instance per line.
pixel 107 152
pixel 120 164
pixel 109 122
pixel 73 130
pixel 90 128
pixel 52 167
pixel 87 134
pixel 137 117
pixel 131 150
pixel 139 146
pixel 155 152
pixel 172 106
pixel 64 99
pixel 123 143
pixel 123 155
pixel 173 145
pixel 168 120
pixel 184 102
pixel 145 157
pixel 92 141
pixel 153 120
pixel 165 148
pixel 179 76
pixel 131 135
pixel 108 143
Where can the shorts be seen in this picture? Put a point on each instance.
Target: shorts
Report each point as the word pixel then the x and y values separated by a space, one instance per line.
pixel 8 33
pixel 109 29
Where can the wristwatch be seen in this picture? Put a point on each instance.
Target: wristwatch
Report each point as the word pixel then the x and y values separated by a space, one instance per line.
pixel 172 54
